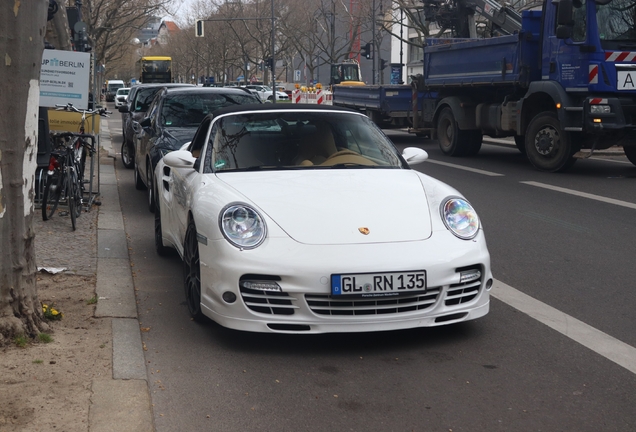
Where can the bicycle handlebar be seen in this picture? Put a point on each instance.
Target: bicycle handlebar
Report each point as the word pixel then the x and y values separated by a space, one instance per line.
pixel 69 107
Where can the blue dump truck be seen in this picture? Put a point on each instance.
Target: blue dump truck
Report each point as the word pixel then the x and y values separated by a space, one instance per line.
pixel 563 85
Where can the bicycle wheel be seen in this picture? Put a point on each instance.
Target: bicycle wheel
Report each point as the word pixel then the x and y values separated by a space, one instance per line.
pixel 52 193
pixel 74 197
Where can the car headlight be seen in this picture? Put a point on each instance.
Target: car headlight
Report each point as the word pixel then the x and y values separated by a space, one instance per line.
pixel 242 226
pixel 460 217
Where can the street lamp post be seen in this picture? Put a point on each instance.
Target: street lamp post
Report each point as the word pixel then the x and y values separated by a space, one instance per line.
pixel 273 55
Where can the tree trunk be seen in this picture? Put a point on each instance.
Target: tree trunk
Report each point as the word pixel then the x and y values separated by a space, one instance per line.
pixel 22 29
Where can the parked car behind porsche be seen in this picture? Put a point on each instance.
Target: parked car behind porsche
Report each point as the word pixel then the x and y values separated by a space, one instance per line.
pixel 135 109
pixel 172 119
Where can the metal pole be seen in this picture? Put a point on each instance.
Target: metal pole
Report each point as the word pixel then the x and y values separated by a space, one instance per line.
pixel 373 50
pixel 273 57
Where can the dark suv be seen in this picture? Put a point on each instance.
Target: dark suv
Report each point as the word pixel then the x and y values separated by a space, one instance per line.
pixel 171 121
pixel 139 99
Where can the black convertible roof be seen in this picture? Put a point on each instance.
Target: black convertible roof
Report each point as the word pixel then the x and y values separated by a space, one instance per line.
pixel 286 106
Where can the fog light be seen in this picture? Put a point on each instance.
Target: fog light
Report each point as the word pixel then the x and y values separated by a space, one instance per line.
pixel 469 276
pixel 229 297
pixel 600 109
pixel 261 285
pixel 597 120
pixel 489 284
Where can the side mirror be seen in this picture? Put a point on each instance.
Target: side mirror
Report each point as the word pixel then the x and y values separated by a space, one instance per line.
pixel 563 32
pixel 414 155
pixel 179 159
pixel 564 13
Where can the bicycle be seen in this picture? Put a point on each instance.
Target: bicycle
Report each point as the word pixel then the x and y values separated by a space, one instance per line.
pixel 80 139
pixel 66 169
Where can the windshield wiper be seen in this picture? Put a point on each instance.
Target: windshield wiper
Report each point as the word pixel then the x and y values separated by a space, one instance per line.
pixel 267 168
pixel 351 165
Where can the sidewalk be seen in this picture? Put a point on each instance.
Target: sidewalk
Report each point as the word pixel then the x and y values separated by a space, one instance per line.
pixel 122 403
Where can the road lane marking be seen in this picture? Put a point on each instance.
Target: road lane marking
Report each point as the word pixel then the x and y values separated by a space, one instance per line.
pixel 582 194
pixel 475 170
pixel 601 343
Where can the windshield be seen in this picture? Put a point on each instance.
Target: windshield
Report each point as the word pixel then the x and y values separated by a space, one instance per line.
pixel 616 24
pixel 189 110
pixel 299 140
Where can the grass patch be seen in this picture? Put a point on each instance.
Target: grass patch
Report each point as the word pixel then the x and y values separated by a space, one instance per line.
pixel 45 337
pixel 37 361
pixel 92 300
pixel 21 341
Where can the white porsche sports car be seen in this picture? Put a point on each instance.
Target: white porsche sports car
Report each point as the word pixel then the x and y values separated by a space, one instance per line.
pixel 306 219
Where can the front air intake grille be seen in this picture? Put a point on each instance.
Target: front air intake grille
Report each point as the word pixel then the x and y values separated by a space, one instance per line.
pixel 268 302
pixel 462 292
pixel 334 305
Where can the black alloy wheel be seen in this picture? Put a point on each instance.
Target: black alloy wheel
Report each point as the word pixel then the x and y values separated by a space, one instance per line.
pixel 192 273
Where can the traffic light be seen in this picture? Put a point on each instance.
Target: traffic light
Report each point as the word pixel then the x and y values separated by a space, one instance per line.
pixel 382 64
pixel 198 28
pixel 365 51
pixel 270 63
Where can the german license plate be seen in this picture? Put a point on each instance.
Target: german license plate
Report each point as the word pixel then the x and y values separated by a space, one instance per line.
pixel 626 80
pixel 378 284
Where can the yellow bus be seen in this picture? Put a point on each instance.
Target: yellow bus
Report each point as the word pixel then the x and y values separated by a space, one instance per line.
pixel 155 69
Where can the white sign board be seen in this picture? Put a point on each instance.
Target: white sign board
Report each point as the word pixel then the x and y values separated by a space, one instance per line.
pixel 297 75
pixel 64 78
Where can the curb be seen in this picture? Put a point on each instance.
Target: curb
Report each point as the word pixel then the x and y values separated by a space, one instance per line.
pixel 123 402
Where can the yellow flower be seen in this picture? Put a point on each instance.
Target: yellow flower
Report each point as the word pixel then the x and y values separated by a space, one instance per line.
pixel 54 312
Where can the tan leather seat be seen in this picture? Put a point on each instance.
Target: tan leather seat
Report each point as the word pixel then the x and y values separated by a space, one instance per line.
pixel 314 149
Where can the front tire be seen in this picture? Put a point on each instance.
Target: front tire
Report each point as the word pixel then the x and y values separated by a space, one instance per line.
pixel 192 273
pixel 127 155
pixel 548 147
pixel 630 152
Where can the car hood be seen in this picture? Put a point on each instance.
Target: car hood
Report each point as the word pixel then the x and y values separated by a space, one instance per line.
pixel 338 206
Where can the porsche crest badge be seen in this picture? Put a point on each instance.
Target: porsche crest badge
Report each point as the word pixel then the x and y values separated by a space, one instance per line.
pixel 364 230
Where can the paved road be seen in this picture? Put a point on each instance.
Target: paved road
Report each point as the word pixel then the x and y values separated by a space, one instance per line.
pixel 547 357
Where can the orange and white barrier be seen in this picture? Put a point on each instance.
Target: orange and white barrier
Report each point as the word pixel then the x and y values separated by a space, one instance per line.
pixel 312 96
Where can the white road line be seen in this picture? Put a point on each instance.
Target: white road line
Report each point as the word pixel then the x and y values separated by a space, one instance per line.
pixel 582 194
pixel 601 343
pixel 475 170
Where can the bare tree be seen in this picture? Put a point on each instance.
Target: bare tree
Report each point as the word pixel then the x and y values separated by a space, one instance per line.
pixel 22 29
pixel 112 24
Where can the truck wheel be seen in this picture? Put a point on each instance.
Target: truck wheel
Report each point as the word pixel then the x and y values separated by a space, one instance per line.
pixel 473 145
pixel 548 147
pixel 452 140
pixel 630 152
pixel 520 142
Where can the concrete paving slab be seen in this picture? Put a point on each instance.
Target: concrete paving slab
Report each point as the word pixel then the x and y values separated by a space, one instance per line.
pixel 120 406
pixel 128 355
pixel 112 244
pixel 115 289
